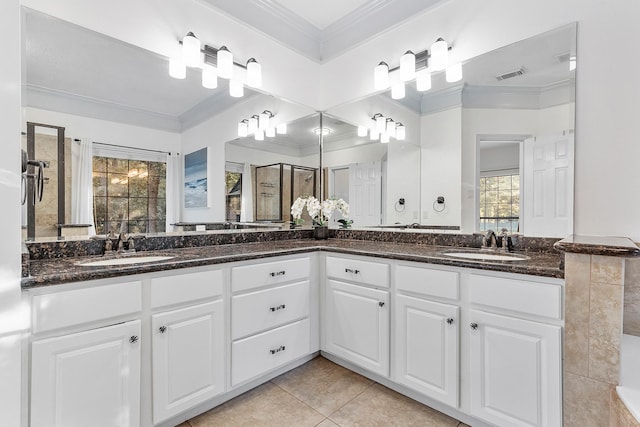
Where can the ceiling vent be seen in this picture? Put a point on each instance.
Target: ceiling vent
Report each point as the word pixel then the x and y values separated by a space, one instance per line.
pixel 510 74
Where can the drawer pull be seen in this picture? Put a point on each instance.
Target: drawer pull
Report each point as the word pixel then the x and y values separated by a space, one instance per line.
pixel 277 350
pixel 162 329
pixel 352 271
pixel 277 273
pixel 133 339
pixel 278 307
pixel 450 321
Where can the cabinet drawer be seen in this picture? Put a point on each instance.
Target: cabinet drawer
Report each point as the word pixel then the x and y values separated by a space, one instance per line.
pixel 265 309
pixel 181 288
pixel 78 306
pixel 536 298
pixel 358 271
pixel 257 275
pixel 427 281
pixel 261 353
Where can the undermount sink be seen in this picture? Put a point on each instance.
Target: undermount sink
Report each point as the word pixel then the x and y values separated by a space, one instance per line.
pixel 124 261
pixel 483 256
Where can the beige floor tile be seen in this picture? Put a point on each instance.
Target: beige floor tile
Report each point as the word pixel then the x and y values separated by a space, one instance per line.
pixel 184 424
pixel 327 423
pixel 380 406
pixel 323 385
pixel 266 405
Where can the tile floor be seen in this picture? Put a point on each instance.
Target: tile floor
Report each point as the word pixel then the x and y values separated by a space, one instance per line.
pixel 321 393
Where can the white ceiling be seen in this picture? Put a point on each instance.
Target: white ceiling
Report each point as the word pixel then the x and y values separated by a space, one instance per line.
pixel 323 13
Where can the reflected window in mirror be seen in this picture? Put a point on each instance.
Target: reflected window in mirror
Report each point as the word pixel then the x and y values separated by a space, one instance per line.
pixel 129 195
pixel 500 202
pixel 233 191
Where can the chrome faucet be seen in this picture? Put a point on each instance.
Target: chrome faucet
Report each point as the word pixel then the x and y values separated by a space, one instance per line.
pixel 490 240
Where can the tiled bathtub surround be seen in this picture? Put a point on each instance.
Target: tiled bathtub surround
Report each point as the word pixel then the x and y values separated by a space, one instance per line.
pixel 594 292
pixel 632 297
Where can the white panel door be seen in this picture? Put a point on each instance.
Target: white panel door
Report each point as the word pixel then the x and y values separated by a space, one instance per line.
pixel 365 193
pixel 357 325
pixel 548 186
pixel 188 358
pixel 426 347
pixel 515 370
pixel 89 378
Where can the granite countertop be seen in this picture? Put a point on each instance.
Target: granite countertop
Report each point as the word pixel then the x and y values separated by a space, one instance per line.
pixel 52 271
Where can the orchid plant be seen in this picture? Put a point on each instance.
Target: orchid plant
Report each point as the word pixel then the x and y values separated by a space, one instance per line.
pixel 319 211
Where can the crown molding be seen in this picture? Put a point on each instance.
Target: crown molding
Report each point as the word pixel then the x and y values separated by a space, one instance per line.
pixel 64 102
pixel 533 98
pixel 211 106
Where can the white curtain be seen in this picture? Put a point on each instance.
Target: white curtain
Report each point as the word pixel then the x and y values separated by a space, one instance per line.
pixel 174 183
pixel 246 205
pixel 82 187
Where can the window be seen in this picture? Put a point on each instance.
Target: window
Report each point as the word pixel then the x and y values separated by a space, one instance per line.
pixel 500 202
pixel 233 191
pixel 129 195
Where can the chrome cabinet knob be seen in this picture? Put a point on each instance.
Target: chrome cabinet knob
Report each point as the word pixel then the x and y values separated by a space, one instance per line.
pixel 474 326
pixel 133 339
pixel 450 321
pixel 381 303
pixel 162 329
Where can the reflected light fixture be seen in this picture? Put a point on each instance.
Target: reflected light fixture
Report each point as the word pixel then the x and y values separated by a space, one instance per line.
pixel 281 129
pixel 418 66
pixel 261 125
pixel 243 128
pixel 324 131
pixel 362 130
pixel 383 128
pixel 214 63
pixel 259 135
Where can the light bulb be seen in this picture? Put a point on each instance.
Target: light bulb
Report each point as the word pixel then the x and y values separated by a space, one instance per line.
pixel 454 72
pixel 254 73
pixel 177 69
pixel 439 55
pixel 225 63
pixel 407 66
pixel 374 134
pixel 263 120
pixel 362 131
pixel 381 123
pixel 401 132
pixel 391 128
pixel 243 128
pixel 381 76
pixel 397 90
pixel 259 135
pixel 270 132
pixel 384 138
pixel 281 129
pixel 191 50
pixel 253 124
pixel 423 80
pixel 236 89
pixel 209 77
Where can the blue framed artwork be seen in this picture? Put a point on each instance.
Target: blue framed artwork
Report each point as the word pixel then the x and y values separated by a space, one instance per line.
pixel 195 179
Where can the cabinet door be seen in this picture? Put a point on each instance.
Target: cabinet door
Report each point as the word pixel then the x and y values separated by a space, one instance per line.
pixel 358 325
pixel 426 347
pixel 188 358
pixel 515 371
pixel 89 378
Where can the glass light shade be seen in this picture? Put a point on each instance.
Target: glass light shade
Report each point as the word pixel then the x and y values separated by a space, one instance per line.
pixel 254 73
pixel 270 132
pixel 439 55
pixel 454 72
pixel 381 76
pixel 362 131
pixel 191 50
pixel 177 69
pixel 401 132
pixel 225 63
pixel 243 129
pixel 381 124
pixel 384 138
pixel 407 66
pixel 281 129
pixel 572 63
pixel 263 121
pixel 374 134
pixel 259 135
pixel 423 80
pixel 253 124
pixel 209 77
pixel 397 90
pixel 236 88
pixel 391 128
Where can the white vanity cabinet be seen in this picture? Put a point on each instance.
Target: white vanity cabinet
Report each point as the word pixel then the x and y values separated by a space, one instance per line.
pixel 426 331
pixel 85 356
pixel 188 341
pixel 515 351
pixel 357 312
pixel 270 316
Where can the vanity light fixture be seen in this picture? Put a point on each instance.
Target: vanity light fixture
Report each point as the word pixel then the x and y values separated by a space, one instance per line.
pixel 215 63
pixel 418 66
pixel 261 125
pixel 383 128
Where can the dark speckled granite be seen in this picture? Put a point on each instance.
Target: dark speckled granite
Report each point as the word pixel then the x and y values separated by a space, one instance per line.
pixel 592 245
pixel 54 270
